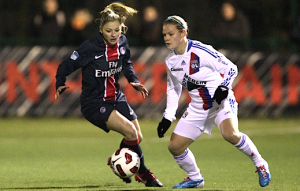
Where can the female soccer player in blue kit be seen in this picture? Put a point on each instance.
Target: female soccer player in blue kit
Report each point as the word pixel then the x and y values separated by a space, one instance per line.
pixel 102 59
pixel 207 75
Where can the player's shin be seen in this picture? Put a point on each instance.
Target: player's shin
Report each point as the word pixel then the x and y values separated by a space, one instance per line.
pixel 134 145
pixel 247 146
pixel 188 163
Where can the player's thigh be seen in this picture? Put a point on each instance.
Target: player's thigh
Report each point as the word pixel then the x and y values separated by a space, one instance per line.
pixel 227 120
pixel 229 126
pixel 189 129
pixel 230 131
pixel 117 122
pixel 228 110
pixel 183 135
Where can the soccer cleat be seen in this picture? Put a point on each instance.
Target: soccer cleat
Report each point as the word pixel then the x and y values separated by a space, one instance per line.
pixel 188 183
pixel 264 174
pixel 148 179
pixel 127 180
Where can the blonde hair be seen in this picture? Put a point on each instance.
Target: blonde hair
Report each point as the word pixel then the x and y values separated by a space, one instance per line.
pixel 178 22
pixel 116 12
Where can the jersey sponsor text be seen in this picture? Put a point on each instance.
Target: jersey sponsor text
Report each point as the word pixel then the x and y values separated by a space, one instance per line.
pixel 187 79
pixel 101 73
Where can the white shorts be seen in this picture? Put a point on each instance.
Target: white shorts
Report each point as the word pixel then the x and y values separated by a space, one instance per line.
pixel 192 124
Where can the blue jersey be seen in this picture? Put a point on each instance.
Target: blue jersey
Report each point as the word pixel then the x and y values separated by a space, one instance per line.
pixel 101 68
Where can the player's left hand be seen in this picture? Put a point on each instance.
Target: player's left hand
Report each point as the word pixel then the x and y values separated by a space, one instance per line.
pixel 141 88
pixel 220 94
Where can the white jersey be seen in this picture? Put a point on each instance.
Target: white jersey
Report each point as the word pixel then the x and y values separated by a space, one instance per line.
pixel 200 70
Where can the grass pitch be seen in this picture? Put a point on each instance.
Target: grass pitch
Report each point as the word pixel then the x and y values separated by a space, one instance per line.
pixel 71 154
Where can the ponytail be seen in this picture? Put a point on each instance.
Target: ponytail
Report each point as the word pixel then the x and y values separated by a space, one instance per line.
pixel 116 11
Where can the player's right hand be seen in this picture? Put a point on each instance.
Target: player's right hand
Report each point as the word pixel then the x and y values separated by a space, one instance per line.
pixel 60 90
pixel 141 88
pixel 163 126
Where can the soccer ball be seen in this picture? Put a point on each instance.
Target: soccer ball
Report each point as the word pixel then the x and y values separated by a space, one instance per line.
pixel 125 162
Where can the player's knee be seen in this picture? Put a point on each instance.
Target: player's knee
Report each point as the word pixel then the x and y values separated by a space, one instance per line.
pixel 232 137
pixel 174 149
pixel 140 135
pixel 130 132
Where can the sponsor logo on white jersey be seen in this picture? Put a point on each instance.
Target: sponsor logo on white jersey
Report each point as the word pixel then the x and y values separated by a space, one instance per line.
pixel 187 78
pixel 176 69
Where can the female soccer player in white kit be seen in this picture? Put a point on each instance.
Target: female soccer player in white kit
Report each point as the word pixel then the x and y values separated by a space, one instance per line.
pixel 207 75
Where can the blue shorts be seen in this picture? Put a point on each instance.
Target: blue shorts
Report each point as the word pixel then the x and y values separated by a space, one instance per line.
pixel 98 112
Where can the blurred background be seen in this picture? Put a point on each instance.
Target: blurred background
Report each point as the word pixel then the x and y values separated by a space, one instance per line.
pixel 271 24
pixel 262 37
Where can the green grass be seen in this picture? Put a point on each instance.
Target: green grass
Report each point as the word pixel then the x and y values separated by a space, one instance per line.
pixel 71 154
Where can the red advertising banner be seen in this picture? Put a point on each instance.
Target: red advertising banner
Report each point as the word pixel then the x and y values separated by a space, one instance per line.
pixel 267 85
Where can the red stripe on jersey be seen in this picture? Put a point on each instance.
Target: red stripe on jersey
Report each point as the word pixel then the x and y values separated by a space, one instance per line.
pixel 112 52
pixel 207 100
pixel 110 89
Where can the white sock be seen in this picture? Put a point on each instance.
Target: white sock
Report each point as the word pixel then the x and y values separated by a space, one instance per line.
pixel 247 146
pixel 188 163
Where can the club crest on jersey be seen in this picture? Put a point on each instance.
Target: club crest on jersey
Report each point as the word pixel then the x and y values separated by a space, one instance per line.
pixel 102 110
pixel 194 63
pixel 122 50
pixel 185 114
pixel 74 55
